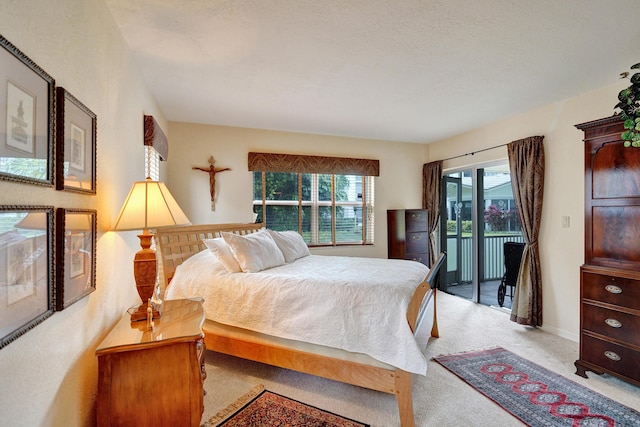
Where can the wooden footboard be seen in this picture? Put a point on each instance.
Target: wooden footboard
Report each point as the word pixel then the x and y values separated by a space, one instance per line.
pixel 339 365
pixel 176 244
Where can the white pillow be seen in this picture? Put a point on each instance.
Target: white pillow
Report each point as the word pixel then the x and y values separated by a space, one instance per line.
pixel 291 244
pixel 221 250
pixel 254 252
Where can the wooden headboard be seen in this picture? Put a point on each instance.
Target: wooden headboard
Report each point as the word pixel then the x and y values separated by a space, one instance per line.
pixel 175 244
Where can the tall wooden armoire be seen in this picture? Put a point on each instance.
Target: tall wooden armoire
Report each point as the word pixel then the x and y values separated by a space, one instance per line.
pixel 610 276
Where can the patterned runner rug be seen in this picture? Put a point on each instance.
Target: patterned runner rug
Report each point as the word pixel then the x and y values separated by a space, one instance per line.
pixel 261 407
pixel 536 395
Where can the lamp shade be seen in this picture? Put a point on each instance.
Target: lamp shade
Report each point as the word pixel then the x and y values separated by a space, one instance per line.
pixel 149 205
pixel 77 221
pixel 33 221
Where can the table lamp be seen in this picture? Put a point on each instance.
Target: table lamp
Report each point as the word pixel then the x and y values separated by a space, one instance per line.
pixel 149 205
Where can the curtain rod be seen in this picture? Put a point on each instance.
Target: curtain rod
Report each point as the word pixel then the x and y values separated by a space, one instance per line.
pixel 474 152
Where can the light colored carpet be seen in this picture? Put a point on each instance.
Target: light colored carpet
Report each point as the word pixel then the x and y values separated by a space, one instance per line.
pixel 439 398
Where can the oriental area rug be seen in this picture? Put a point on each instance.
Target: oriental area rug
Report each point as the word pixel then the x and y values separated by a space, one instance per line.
pixel 262 407
pixel 533 394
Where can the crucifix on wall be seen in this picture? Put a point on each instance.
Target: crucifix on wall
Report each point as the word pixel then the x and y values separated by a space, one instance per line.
pixel 212 171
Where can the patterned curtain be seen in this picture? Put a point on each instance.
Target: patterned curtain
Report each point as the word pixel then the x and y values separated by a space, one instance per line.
pixel 295 163
pixel 431 199
pixel 154 137
pixel 526 162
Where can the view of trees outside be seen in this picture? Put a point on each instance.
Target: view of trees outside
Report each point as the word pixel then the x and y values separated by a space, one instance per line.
pixel 8 221
pixel 500 219
pixel 283 203
pixel 32 168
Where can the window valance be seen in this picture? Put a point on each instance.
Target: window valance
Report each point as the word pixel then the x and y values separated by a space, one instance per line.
pixel 273 162
pixel 154 137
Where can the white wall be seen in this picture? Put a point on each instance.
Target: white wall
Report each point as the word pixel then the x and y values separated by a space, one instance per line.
pixel 398 186
pixel 561 249
pixel 48 376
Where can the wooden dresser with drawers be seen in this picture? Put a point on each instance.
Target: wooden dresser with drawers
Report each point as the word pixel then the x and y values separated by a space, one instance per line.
pixel 408 235
pixel 610 277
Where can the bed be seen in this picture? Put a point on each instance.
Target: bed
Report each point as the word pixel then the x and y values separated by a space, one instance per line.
pixel 185 245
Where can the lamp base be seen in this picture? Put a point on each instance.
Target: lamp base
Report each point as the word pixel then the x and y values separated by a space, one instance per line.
pixel 144 271
pixel 141 313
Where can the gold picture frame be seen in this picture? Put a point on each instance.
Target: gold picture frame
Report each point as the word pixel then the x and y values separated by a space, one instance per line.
pixel 75 144
pixel 26 269
pixel 76 255
pixel 27 123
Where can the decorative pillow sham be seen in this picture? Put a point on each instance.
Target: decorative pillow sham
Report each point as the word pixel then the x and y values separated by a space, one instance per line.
pixel 221 250
pixel 254 252
pixel 291 244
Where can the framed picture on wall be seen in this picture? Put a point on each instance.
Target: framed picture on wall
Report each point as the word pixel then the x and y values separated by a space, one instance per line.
pixel 75 144
pixel 76 255
pixel 26 269
pixel 26 118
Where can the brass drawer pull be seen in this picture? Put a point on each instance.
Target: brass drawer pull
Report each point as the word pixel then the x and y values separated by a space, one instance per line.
pixel 613 323
pixel 613 289
pixel 416 237
pixel 613 356
pixel 416 215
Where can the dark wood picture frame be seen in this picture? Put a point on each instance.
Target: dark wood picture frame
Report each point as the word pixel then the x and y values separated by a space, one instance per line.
pixel 76 255
pixel 27 279
pixel 27 119
pixel 76 131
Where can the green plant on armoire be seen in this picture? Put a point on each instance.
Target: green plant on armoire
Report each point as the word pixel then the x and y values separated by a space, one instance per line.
pixel 629 105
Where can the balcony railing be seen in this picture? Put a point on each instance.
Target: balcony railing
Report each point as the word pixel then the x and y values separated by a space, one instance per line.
pixel 493 256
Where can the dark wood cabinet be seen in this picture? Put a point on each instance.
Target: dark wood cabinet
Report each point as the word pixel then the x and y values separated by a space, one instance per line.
pixel 408 235
pixel 610 276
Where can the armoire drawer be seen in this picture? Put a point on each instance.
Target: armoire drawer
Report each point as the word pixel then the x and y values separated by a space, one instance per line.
pixel 416 220
pixel 613 357
pixel 421 258
pixel 611 323
pixel 417 243
pixel 615 290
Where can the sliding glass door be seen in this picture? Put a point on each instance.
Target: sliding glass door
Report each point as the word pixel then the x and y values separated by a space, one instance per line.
pixel 499 224
pixel 478 217
pixel 456 233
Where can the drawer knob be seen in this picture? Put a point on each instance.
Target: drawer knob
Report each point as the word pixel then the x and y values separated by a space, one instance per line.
pixel 416 215
pixel 613 289
pixel 416 237
pixel 612 355
pixel 613 323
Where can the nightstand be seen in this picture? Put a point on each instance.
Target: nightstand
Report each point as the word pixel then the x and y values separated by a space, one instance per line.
pixel 153 378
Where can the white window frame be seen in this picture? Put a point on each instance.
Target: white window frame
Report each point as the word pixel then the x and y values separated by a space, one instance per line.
pixel 152 163
pixel 366 204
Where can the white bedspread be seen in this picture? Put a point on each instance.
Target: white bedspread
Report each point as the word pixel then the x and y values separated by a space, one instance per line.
pixel 355 304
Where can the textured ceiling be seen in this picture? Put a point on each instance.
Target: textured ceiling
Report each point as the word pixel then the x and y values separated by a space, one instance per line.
pixel 404 70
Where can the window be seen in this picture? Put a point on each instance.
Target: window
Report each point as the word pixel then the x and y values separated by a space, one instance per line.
pixel 326 209
pixel 156 147
pixel 152 163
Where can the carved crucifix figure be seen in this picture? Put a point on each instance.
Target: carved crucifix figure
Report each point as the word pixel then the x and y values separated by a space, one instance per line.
pixel 212 171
